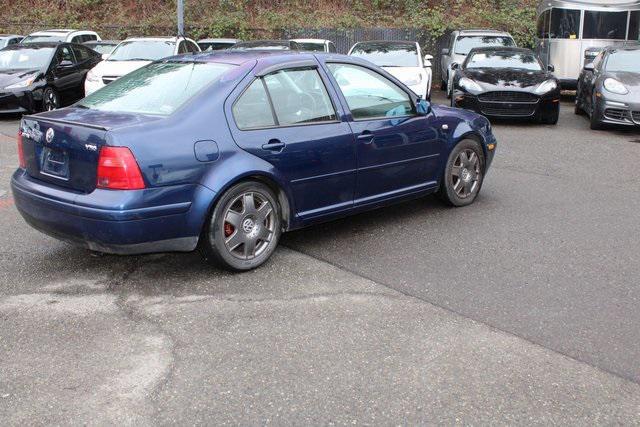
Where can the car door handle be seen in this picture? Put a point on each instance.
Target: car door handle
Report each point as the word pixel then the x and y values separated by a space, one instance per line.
pixel 274 145
pixel 365 137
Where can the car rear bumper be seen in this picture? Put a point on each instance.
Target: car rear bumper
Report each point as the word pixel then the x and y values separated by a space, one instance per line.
pixel 115 221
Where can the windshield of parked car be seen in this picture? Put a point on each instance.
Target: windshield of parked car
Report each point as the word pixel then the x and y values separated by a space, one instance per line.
pixel 142 50
pixel 43 38
pixel 158 89
pixel 464 44
pixel 498 59
pixel 623 60
pixel 25 58
pixel 388 54
pixel 311 46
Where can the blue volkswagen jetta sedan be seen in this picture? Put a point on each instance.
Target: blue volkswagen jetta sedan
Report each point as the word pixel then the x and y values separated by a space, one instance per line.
pixel 225 151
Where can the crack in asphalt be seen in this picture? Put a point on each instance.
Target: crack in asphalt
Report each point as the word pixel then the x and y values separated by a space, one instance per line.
pixel 464 316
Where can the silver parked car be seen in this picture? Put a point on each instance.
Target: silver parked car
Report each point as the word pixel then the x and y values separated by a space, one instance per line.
pixel 609 87
pixel 461 42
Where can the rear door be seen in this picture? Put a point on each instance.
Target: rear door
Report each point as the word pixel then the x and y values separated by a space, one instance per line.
pixel 67 76
pixel 62 153
pixel 289 119
pixel 397 149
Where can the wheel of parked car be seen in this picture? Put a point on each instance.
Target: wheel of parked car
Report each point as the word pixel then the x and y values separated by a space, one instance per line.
pixel 577 110
pixel 551 116
pixel 50 99
pixel 594 116
pixel 244 227
pixel 463 174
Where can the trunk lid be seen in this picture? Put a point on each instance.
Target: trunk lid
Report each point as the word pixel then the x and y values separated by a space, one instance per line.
pixel 62 147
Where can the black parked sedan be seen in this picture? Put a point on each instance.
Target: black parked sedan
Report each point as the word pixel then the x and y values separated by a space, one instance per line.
pixel 507 82
pixel 609 88
pixel 43 76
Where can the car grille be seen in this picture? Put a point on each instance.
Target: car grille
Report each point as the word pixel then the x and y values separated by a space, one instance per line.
pixel 507 110
pixel 507 96
pixel 636 117
pixel 616 114
pixel 108 79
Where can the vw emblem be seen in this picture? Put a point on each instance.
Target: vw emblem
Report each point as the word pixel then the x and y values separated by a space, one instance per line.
pixel 49 135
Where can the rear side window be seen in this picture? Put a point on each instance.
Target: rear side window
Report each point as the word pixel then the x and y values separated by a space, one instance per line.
pixel 252 109
pixel 332 47
pixel 296 97
pixel 634 25
pixel 82 54
pixel 65 54
pixel 192 47
pixel 370 95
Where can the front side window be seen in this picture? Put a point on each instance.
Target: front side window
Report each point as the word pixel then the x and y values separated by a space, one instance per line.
pixel 142 50
pixel 65 54
pixel 520 61
pixel 296 96
pixel 370 95
pixel 388 54
pixel 158 89
pixel 565 24
pixel 604 25
pixel 464 44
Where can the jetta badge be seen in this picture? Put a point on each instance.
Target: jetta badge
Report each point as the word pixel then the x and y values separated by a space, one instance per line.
pixel 48 137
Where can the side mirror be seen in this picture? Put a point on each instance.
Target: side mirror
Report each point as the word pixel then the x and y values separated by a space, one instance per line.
pixel 105 56
pixel 589 67
pixel 455 66
pixel 65 64
pixel 423 107
pixel 551 68
pixel 445 51
pixel 427 60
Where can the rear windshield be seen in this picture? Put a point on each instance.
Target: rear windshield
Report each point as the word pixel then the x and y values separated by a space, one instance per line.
pixel 206 46
pixel 311 47
pixel 388 55
pixel 623 60
pixel 26 58
pixel 158 89
pixel 520 61
pixel 36 39
pixel 142 50
pixel 464 44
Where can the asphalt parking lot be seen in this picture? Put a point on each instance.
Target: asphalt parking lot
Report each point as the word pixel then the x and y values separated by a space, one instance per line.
pixel 522 308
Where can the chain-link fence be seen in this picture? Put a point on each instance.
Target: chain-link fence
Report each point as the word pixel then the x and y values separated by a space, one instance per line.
pixel 342 38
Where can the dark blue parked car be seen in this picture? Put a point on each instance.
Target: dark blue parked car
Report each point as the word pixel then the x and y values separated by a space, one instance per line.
pixel 227 150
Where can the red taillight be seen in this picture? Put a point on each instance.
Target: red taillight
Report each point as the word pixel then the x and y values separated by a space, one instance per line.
pixel 118 170
pixel 23 163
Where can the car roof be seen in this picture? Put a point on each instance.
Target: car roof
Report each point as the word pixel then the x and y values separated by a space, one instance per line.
pixel 3 36
pixel 310 40
pixel 34 45
pixel 479 32
pixel 501 49
pixel 98 42
pixel 159 39
pixel 59 32
pixel 627 47
pixel 218 40
pixel 399 42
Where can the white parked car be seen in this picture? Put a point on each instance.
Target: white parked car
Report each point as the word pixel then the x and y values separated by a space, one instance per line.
pixel 69 36
pixel 315 45
pixel 216 44
pixel 402 59
pixel 132 54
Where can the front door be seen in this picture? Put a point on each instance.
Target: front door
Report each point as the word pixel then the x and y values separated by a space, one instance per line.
pixel 288 119
pixel 397 149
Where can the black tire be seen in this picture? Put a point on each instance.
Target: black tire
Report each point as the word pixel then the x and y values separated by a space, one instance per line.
pixel 594 117
pixel 449 184
pixel 50 99
pixel 218 234
pixel 577 110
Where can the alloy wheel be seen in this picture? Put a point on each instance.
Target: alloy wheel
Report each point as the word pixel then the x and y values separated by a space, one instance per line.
pixel 50 101
pixel 249 225
pixel 466 174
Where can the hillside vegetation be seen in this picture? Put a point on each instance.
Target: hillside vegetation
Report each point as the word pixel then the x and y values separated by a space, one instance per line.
pixel 249 19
